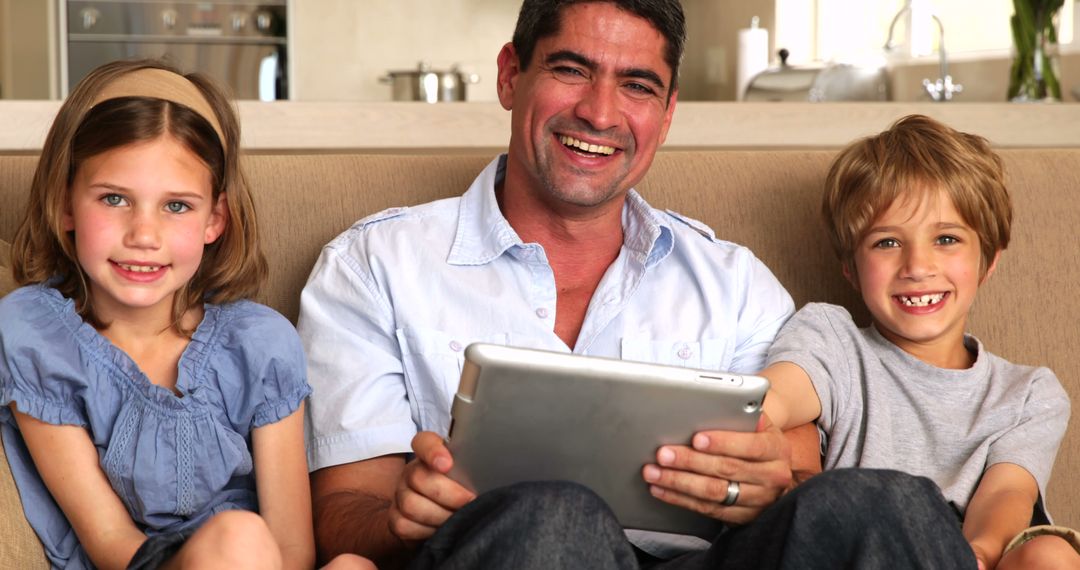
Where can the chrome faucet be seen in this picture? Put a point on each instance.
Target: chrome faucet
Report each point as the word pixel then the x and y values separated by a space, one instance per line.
pixel 943 88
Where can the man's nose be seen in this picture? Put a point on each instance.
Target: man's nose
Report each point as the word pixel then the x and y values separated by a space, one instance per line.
pixel 599 106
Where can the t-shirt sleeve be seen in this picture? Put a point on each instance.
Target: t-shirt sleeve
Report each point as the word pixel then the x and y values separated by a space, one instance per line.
pixel 818 340
pixel 42 368
pixel 269 358
pixel 1033 442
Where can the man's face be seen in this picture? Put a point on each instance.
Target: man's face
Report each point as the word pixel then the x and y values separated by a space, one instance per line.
pixel 590 110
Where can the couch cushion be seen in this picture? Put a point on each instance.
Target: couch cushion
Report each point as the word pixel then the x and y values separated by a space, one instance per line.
pixel 7 282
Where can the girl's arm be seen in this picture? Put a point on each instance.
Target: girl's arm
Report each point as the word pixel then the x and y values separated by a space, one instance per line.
pixel 1000 508
pixel 792 400
pixel 67 462
pixel 281 481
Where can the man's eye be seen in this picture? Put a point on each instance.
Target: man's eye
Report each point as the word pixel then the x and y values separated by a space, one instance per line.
pixel 569 74
pixel 177 207
pixel 113 200
pixel 640 89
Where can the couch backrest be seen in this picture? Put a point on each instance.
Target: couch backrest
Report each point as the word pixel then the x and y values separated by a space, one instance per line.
pixel 767 200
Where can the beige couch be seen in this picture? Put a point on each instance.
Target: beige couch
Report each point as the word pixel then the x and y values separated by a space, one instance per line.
pixel 767 200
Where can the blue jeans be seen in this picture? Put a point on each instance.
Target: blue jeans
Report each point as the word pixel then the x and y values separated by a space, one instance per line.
pixel 847 518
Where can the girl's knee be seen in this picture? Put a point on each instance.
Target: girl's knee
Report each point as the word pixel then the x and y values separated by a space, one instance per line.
pixel 1046 551
pixel 350 562
pixel 232 539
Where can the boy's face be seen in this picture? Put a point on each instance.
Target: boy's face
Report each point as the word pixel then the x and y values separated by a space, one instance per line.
pixel 918 269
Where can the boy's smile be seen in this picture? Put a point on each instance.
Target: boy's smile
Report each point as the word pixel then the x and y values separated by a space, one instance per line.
pixel 918 269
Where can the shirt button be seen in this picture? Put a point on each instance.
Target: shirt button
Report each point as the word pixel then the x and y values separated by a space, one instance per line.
pixel 455 346
pixel 542 313
pixel 685 353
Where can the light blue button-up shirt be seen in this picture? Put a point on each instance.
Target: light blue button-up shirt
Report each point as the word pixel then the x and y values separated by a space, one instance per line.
pixel 393 301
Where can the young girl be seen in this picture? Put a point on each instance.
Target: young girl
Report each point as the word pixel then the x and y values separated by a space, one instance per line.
pixel 143 397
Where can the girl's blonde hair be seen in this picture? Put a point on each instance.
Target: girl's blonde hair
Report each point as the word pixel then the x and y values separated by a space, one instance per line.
pixel 232 268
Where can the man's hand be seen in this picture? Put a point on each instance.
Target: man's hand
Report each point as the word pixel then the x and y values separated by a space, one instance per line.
pixel 425 497
pixel 698 477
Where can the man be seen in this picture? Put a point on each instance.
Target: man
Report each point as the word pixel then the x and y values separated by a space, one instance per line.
pixel 550 248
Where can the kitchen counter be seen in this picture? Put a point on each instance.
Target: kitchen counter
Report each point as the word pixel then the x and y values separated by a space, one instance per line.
pixel 468 127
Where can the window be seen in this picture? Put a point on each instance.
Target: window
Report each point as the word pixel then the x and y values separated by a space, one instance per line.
pixel 853 30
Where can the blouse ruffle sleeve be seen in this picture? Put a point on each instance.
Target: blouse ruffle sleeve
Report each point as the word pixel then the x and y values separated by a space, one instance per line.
pixel 43 368
pixel 262 352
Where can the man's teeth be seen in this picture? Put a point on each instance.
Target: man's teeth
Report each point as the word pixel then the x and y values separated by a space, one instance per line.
pixel 921 301
pixel 140 268
pixel 582 145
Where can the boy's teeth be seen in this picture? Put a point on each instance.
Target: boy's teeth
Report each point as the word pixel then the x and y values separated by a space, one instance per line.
pixel 581 145
pixel 140 268
pixel 922 301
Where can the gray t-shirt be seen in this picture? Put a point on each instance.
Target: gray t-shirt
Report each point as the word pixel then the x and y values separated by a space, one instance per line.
pixel 883 408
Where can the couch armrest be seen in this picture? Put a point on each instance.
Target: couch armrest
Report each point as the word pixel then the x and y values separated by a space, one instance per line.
pixel 19 547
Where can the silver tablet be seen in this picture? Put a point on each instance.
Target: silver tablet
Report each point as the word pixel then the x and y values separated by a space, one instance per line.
pixel 532 415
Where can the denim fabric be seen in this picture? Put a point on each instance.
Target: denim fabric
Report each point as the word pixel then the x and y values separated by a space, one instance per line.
pixel 847 518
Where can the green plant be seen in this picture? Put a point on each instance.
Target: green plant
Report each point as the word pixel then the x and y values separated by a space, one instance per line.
pixel 1034 75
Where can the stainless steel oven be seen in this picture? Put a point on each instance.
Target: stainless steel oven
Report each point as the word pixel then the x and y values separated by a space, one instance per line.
pixel 243 44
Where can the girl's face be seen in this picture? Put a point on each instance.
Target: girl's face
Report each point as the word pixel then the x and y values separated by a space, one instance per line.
pixel 141 215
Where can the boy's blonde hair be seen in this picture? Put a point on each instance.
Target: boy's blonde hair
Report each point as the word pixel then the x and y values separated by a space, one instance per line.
pixel 915 157
pixel 232 268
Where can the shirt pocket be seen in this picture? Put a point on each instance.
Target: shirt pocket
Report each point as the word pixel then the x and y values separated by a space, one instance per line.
pixel 432 361
pixel 708 354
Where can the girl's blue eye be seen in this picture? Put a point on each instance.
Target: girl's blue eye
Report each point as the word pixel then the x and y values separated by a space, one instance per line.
pixel 112 199
pixel 177 207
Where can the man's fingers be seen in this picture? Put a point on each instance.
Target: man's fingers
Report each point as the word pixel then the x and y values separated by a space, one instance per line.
pixel 771 473
pixel 710 491
pixel 734 514
pixel 767 445
pixel 431 449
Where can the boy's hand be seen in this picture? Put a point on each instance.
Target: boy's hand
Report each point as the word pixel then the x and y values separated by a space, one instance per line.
pixel 981 558
pixel 425 496
pixel 697 477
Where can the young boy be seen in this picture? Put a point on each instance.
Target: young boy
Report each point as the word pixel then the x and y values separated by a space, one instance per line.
pixel 919 216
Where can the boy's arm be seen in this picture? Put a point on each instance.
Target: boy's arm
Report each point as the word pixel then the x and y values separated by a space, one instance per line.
pixel 1000 508
pixel 281 483
pixel 67 461
pixel 792 400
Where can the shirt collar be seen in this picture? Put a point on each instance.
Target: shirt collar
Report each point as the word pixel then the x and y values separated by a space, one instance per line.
pixel 483 234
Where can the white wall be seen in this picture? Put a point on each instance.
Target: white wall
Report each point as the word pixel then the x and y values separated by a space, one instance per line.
pixel 342 47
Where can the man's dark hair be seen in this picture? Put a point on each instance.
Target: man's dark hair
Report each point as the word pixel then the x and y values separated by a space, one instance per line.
pixel 541 18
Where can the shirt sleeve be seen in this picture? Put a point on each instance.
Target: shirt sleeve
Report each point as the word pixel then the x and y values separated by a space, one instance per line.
pixel 766 307
pixel 359 407
pixel 282 369
pixel 43 370
pixel 1033 442
pixel 811 341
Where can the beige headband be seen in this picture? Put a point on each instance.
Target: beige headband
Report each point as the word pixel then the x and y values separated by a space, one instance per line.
pixel 161 84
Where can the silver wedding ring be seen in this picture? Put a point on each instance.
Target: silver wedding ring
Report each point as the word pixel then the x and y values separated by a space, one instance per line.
pixel 732 494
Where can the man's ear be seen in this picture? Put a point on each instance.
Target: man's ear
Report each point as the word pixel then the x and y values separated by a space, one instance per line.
pixel 219 219
pixel 668 115
pixel 509 70
pixel 850 274
pixel 990 270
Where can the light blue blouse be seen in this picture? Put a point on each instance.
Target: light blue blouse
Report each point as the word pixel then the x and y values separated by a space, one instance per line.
pixel 174 461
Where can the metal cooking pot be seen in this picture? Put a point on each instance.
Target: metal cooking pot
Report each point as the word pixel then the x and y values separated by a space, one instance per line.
pixel 429 85
pixel 832 82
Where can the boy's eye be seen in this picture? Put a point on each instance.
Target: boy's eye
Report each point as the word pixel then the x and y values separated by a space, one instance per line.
pixel 113 200
pixel 177 207
pixel 947 240
pixel 886 243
